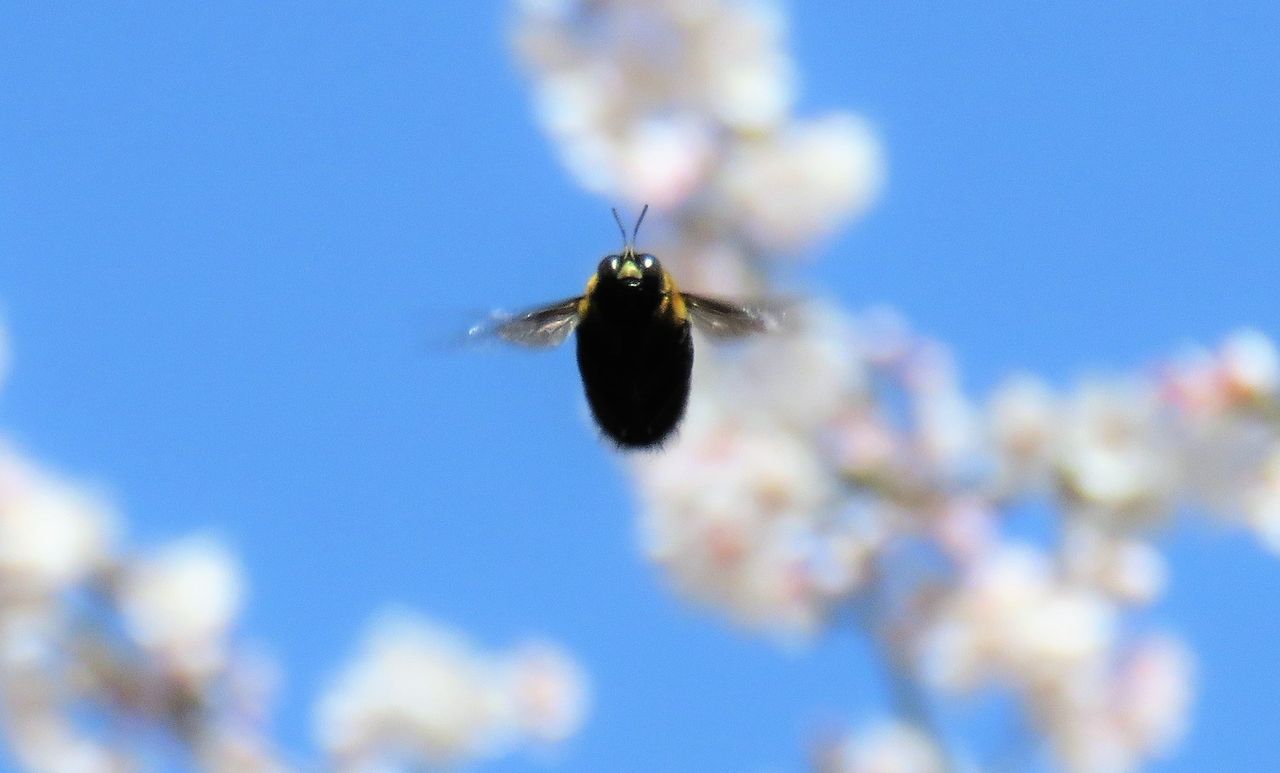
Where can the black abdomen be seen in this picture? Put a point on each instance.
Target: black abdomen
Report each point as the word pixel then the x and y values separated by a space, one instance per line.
pixel 636 374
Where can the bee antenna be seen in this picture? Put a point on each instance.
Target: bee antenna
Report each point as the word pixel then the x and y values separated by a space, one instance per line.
pixel 639 220
pixel 621 228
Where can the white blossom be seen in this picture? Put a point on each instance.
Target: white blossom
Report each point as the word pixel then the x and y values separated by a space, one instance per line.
pixel 417 691
pixel 796 186
pixel 1128 569
pixel 1153 694
pixel 1024 420
pixel 887 747
pixel 732 516
pixel 656 102
pixel 1012 620
pixel 748 79
pixel 181 602
pixel 1115 453
pixel 52 534
pixel 548 692
pixel 1251 365
pixel 662 161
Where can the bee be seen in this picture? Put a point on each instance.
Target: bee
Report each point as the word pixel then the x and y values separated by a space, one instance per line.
pixel 634 342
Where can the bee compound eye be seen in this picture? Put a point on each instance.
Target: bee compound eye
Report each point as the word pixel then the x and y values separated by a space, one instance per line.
pixel 648 261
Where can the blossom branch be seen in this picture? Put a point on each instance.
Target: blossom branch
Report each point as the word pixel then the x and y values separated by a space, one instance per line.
pixel 841 457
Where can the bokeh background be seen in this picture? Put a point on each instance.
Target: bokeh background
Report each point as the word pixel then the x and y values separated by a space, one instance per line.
pixel 235 242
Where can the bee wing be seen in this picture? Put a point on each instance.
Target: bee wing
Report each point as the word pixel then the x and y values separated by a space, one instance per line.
pixel 542 327
pixel 727 319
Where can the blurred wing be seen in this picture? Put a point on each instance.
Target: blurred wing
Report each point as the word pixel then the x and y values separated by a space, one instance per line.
pixel 726 319
pixel 538 328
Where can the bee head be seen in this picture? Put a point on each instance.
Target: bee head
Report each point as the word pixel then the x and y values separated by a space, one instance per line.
pixel 631 269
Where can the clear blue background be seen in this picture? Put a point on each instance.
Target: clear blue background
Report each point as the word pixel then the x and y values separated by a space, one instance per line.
pixel 225 233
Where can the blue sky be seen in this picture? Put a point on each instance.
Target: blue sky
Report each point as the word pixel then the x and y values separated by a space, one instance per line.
pixel 226 232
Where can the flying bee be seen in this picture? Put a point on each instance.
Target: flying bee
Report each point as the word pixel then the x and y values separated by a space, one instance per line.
pixel 635 348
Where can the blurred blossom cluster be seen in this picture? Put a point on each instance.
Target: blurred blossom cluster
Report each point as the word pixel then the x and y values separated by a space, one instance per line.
pixel 117 660
pixel 687 105
pixel 883 747
pixel 100 649
pixel 421 693
pixel 837 473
